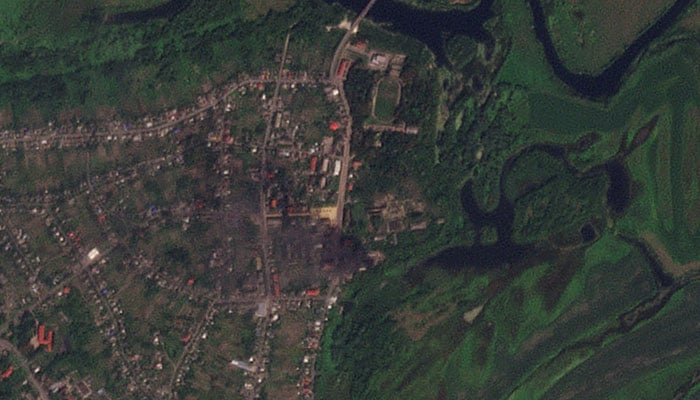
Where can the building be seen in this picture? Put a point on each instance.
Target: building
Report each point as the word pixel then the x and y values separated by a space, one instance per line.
pixel 44 339
pixel 379 60
pixel 343 68
pixel 312 164
pixel 276 284
pixel 8 372
pixel 336 168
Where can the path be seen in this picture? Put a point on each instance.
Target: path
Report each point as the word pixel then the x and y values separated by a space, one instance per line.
pixel 5 345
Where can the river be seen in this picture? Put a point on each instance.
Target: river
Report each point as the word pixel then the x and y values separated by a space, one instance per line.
pixel 429 27
pixel 432 28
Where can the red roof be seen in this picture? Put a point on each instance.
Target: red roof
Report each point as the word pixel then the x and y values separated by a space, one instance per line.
pixel 341 68
pixel 312 165
pixel 313 292
pixel 7 372
pixel 276 284
pixel 190 281
pixel 66 290
pixel 186 338
pixel 334 126
pixel 273 203
pixel 43 339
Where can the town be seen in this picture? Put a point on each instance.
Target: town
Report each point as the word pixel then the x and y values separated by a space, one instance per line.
pixel 195 251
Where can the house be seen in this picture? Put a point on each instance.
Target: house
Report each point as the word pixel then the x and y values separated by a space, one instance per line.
pixel 336 168
pixel 342 69
pixel 44 339
pixel 313 292
pixel 276 284
pixel 8 372
pixel 312 164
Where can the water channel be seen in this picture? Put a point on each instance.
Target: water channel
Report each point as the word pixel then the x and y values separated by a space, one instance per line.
pixel 433 27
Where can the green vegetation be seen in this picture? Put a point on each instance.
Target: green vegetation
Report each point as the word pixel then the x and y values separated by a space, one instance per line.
pixel 442 5
pixel 230 338
pixel 386 98
pixel 551 201
pixel 666 166
pixel 534 313
pixel 571 308
pixel 589 34
pixel 12 387
pixel 63 63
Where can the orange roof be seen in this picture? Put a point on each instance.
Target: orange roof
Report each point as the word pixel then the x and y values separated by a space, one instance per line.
pixel 49 343
pixel 41 336
pixel 341 68
pixel 66 290
pixel 8 372
pixel 334 126
pixel 313 292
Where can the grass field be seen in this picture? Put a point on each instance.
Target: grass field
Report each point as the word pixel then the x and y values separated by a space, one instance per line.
pixel 387 97
pixel 551 326
pixel 442 5
pixel 666 166
pixel 589 34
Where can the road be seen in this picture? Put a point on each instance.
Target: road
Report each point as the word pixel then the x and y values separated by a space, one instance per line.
pixel 190 347
pixel 264 240
pixel 346 38
pixel 347 136
pixel 5 345
pixel 264 323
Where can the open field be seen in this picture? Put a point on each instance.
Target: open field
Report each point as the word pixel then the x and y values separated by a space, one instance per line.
pixel 589 34
pixel 551 323
pixel 527 318
pixel 386 98
pixel 441 5
pixel 666 166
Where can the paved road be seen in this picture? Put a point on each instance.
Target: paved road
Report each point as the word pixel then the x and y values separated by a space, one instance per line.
pixel 344 168
pixel 346 38
pixel 338 81
pixel 5 345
